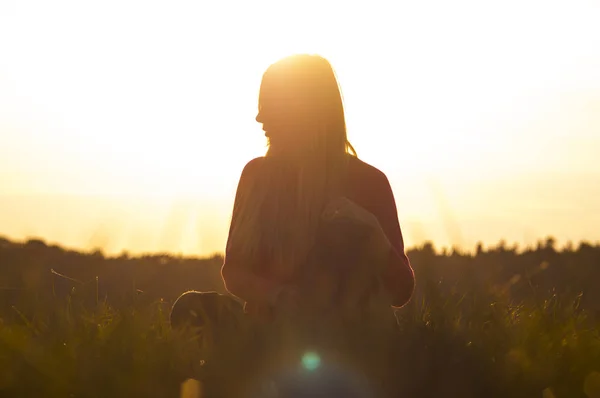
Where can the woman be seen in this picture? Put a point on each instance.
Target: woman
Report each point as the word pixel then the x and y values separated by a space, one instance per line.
pixel 313 228
pixel 309 176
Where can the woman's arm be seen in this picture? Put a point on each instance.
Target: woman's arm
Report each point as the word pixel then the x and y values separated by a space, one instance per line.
pixel 377 209
pixel 236 273
pixel 398 277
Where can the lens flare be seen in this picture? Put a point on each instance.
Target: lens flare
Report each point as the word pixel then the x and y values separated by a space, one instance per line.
pixel 311 361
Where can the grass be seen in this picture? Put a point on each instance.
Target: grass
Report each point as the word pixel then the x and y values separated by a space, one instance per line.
pixel 470 342
pixel 517 351
pixel 67 351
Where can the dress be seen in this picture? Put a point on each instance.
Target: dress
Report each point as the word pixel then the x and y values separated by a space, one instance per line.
pixel 366 186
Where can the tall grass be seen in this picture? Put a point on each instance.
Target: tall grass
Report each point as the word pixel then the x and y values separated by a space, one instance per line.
pixel 468 340
pixel 66 350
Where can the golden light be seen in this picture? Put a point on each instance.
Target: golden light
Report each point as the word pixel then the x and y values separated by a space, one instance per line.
pixel 151 106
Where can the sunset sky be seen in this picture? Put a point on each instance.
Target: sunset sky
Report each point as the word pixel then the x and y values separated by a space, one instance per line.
pixel 124 125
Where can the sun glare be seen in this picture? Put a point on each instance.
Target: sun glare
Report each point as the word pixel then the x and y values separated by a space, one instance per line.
pixel 311 361
pixel 140 99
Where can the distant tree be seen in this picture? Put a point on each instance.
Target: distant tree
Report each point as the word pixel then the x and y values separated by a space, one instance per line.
pixel 550 244
pixel 4 242
pixel 35 243
pixel 97 253
pixel 569 247
pixel 479 249
pixel 540 245
pixel 455 251
pixel 501 246
pixel 428 249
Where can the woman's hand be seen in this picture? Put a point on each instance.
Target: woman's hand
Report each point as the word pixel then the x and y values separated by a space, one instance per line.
pixel 343 207
pixel 378 244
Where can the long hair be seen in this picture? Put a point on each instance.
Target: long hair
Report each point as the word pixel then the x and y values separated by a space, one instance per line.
pixel 301 108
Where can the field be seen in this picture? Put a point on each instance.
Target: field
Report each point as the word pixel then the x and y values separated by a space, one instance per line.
pixel 500 322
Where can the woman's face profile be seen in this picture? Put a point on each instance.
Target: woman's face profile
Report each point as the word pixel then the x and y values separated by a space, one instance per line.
pixel 260 118
pixel 265 125
pixel 273 120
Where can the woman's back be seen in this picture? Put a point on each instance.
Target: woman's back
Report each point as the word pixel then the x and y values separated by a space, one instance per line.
pixel 278 210
pixel 362 184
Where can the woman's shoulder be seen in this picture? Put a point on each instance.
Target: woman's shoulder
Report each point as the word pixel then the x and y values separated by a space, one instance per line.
pixel 364 171
pixel 253 165
pixel 249 172
pixel 358 170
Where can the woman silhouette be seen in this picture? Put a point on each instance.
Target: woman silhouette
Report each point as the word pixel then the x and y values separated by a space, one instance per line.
pixel 313 228
pixel 304 196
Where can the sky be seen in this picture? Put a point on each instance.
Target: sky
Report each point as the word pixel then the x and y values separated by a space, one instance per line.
pixel 124 125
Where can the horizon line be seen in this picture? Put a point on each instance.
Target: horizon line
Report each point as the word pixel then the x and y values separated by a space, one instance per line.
pixel 441 250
